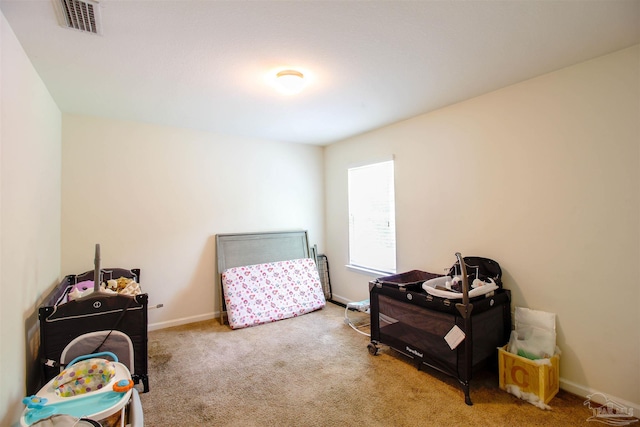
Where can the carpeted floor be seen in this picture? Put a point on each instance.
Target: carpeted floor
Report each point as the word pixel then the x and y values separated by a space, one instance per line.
pixel 314 370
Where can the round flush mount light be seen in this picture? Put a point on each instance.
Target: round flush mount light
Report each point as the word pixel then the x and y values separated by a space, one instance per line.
pixel 290 82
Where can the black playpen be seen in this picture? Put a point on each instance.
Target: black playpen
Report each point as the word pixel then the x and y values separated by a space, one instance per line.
pixel 100 317
pixel 411 321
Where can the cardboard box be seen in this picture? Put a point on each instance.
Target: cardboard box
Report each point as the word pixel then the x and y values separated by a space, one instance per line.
pixel 529 376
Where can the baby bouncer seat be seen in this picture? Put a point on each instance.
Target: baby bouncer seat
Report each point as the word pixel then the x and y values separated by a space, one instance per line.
pixel 95 388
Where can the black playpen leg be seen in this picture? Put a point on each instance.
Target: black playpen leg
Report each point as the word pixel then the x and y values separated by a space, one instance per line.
pixel 467 397
pixel 465 311
pixel 144 379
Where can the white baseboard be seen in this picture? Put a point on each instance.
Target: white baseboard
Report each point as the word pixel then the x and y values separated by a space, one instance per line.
pixel 338 298
pixel 597 395
pixel 182 321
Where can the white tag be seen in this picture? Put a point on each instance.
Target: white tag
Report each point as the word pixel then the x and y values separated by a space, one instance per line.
pixel 454 337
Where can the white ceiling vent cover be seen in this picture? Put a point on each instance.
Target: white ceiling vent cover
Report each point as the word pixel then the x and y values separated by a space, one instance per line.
pixel 82 15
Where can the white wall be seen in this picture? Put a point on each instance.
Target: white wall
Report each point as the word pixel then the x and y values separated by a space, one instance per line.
pixel 548 169
pixel 541 176
pixel 155 197
pixel 30 129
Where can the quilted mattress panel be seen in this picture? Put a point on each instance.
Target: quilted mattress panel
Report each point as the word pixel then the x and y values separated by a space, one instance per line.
pixel 263 293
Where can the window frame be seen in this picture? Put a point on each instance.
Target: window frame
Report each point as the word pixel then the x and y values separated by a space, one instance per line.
pixel 365 264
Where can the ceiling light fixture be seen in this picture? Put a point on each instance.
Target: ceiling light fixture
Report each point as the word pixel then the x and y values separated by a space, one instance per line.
pixel 290 82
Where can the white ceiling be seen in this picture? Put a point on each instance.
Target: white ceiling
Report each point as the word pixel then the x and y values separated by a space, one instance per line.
pixel 202 64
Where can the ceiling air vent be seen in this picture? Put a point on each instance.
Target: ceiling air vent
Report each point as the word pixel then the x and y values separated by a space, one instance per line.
pixel 82 15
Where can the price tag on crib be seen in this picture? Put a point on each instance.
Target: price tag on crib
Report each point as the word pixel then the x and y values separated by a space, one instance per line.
pixel 454 337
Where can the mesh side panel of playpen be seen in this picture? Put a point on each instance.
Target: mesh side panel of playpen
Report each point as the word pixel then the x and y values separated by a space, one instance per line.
pixel 113 341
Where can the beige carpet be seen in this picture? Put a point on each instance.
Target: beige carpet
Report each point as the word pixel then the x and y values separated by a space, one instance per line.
pixel 314 370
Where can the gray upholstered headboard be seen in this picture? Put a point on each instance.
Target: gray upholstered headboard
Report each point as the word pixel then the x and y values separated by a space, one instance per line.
pixel 239 249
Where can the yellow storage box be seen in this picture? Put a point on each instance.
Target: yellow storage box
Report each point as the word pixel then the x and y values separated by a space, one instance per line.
pixel 534 378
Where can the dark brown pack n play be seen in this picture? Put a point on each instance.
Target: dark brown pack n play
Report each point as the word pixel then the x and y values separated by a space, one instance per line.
pixel 411 321
pixel 100 319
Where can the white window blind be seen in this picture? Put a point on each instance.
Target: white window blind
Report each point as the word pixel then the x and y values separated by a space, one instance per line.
pixel 372 217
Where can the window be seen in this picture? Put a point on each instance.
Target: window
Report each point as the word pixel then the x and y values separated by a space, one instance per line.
pixel 372 217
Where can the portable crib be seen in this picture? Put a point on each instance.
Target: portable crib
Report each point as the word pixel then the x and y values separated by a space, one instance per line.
pixel 415 323
pixel 99 319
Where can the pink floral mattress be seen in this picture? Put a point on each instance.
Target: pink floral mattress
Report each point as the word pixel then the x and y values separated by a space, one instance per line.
pixel 264 293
